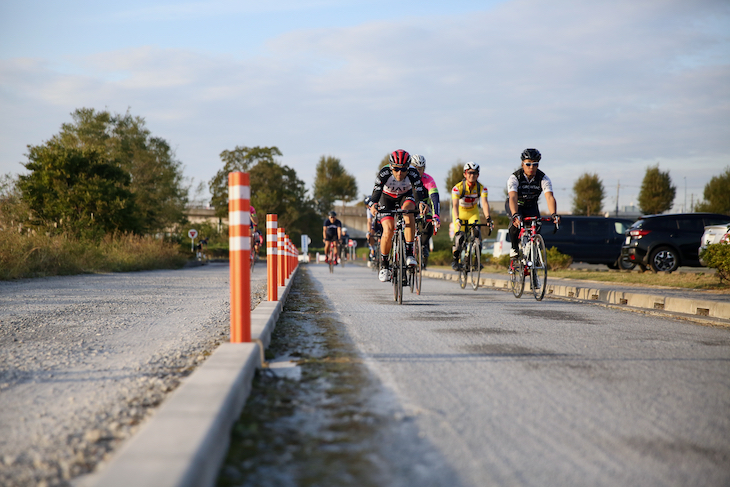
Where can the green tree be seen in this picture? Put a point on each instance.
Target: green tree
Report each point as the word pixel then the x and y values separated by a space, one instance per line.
pixel 77 191
pixel 455 174
pixel 13 210
pixel 239 159
pixel 276 189
pixel 657 193
pixel 156 177
pixel 588 194
pixel 332 182
pixel 717 194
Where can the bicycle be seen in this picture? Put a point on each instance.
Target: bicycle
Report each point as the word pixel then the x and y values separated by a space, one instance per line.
pixel 532 259
pixel 417 271
pixel 470 256
pixel 375 261
pixel 400 273
pixel 332 256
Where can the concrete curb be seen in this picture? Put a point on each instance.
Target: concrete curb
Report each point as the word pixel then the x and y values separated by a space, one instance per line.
pixel 696 308
pixel 185 441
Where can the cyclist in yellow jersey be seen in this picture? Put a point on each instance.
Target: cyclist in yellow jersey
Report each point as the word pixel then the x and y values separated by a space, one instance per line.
pixel 465 199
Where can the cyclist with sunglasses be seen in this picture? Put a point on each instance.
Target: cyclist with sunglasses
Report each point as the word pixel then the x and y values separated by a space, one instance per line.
pixel 465 199
pixel 524 187
pixel 397 185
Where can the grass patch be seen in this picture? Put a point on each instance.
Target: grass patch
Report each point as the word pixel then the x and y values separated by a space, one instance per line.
pixel 24 256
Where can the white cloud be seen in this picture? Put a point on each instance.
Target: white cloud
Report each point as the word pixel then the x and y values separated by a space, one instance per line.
pixel 598 87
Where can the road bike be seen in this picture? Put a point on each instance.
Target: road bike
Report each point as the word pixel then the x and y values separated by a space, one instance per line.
pixel 470 257
pixel 401 275
pixel 332 255
pixel 376 260
pixel 532 259
pixel 415 277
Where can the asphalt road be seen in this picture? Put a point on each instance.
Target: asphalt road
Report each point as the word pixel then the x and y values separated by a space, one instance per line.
pixel 520 392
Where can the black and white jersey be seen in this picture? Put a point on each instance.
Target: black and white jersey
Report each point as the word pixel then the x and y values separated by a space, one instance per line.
pixel 528 190
pixel 385 183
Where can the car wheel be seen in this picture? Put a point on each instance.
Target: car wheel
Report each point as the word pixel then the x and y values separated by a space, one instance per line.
pixel 625 264
pixel 664 259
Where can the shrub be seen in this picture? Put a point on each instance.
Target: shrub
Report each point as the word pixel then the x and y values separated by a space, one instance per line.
pixel 717 256
pixel 556 260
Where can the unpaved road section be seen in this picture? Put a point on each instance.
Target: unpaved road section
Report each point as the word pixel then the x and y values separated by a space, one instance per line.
pixel 84 359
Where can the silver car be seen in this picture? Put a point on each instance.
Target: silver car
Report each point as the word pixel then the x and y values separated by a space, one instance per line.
pixel 714 234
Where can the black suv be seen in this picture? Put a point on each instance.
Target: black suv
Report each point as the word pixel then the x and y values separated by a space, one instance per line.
pixel 590 239
pixel 665 242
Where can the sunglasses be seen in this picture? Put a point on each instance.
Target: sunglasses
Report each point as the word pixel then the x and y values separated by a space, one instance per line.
pixel 397 169
pixel 472 172
pixel 530 164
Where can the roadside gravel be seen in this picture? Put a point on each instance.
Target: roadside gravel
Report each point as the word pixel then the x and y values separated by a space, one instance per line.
pixel 85 359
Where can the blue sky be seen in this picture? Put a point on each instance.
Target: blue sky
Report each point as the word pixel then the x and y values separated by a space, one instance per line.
pixel 601 87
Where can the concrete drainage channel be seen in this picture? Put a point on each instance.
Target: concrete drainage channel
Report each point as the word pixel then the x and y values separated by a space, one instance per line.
pixel 185 441
pixel 706 311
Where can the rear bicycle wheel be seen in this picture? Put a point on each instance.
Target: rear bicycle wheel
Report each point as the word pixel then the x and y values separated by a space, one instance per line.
pixel 517 277
pixel 418 253
pixel 475 265
pixel 538 273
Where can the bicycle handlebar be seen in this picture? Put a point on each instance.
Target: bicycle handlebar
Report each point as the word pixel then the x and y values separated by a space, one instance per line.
pixel 540 219
pixel 466 222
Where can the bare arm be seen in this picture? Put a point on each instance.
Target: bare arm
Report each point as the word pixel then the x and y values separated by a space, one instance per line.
pixel 513 205
pixel 552 205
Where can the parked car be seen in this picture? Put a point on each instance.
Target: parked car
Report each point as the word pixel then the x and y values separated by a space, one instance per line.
pixel 665 242
pixel 590 239
pixel 714 234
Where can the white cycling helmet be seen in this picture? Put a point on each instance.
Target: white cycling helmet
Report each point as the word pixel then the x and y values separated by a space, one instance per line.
pixel 344 230
pixel 471 166
pixel 418 160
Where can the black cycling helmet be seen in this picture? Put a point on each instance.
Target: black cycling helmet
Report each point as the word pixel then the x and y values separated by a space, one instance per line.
pixel 400 158
pixel 333 214
pixel 531 154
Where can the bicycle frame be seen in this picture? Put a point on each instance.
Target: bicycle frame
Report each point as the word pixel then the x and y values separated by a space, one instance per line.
pixel 533 259
pixel 471 254
pixel 400 272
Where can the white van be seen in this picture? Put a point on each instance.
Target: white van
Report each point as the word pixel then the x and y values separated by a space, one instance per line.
pixel 502 244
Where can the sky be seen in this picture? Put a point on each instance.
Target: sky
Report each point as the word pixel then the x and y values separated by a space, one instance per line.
pixel 605 88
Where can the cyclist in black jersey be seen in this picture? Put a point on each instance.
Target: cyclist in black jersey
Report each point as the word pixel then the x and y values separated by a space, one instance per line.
pixel 331 233
pixel 397 185
pixel 524 187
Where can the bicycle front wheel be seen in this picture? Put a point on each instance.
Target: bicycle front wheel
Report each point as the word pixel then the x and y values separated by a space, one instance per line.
pixel 517 277
pixel 464 269
pixel 475 265
pixel 538 273
pixel 397 265
pixel 331 255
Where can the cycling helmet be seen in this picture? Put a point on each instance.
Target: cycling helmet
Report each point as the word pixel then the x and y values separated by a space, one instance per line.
pixel 399 158
pixel 471 166
pixel 344 230
pixel 418 160
pixel 531 154
pixel 332 213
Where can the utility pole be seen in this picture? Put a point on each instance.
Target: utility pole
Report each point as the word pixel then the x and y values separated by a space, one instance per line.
pixel 618 185
pixel 684 209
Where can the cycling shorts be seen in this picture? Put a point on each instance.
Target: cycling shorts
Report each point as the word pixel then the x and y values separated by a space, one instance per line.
pixel 389 203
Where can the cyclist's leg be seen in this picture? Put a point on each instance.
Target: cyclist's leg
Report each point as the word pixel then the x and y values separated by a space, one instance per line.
pixel 426 239
pixel 409 203
pixel 388 224
pixel 477 234
pixel 458 244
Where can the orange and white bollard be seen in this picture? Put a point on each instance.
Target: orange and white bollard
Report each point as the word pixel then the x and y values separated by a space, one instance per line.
pixel 282 266
pixel 272 256
pixel 239 244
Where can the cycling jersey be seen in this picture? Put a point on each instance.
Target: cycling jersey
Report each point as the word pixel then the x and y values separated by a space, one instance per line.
pixel 386 184
pixel 331 229
pixel 252 211
pixel 433 193
pixel 469 198
pixel 528 191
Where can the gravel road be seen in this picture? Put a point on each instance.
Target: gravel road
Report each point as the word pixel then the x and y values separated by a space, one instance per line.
pixel 84 359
